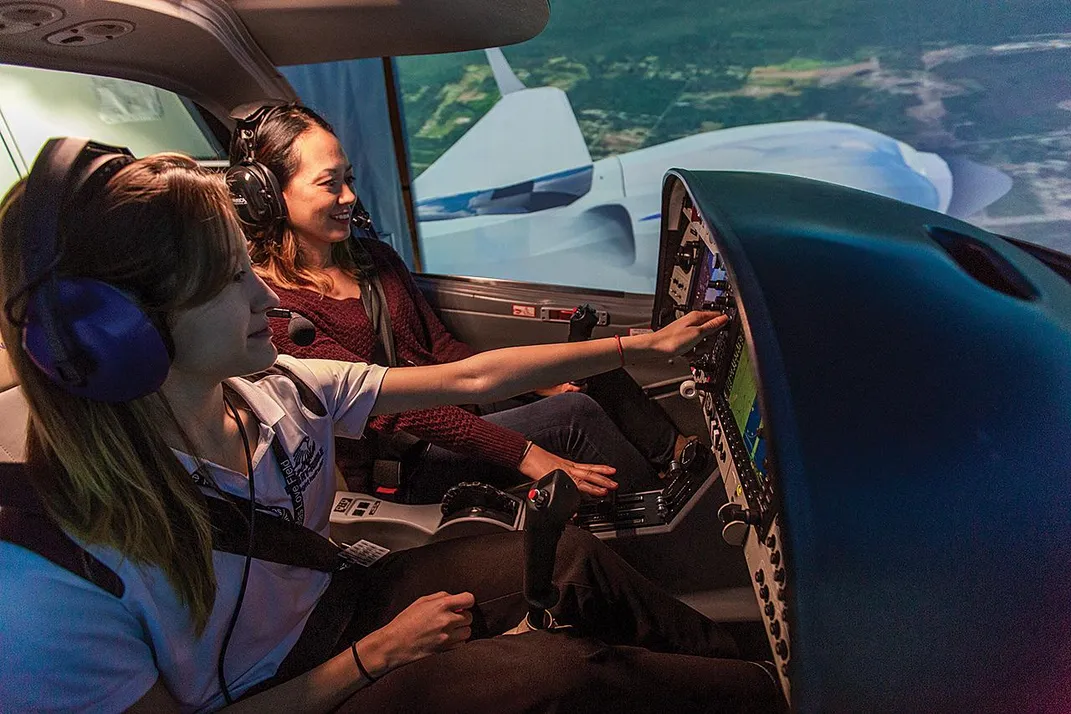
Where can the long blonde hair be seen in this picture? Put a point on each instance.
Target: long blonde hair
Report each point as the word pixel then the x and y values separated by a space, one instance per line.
pixel 164 231
pixel 274 250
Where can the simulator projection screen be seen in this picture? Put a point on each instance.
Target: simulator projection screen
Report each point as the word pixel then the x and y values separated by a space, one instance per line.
pixel 544 161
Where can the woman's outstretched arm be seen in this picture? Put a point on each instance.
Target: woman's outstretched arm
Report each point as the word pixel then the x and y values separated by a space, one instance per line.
pixel 499 374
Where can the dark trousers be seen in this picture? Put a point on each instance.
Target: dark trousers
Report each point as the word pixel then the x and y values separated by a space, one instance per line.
pixel 612 423
pixel 633 647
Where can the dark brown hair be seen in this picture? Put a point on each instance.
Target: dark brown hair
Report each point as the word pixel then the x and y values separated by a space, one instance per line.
pixel 274 251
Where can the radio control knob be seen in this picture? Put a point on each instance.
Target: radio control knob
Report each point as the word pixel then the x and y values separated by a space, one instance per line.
pixel 737 520
pixel 688 390
pixel 735 533
pixel 781 648
pixel 779 575
pixel 735 512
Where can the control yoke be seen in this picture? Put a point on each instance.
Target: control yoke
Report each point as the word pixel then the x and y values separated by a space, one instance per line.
pixel 582 323
pixel 550 504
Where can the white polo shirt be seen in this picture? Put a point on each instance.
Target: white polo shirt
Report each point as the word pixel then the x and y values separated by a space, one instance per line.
pixel 67 645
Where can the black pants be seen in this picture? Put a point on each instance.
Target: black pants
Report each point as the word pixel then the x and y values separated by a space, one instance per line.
pixel 612 423
pixel 634 648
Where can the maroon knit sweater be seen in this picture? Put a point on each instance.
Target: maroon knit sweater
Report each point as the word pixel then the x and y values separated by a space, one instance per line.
pixel 344 332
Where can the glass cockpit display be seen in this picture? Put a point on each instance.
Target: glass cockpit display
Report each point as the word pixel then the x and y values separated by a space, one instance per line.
pixel 740 417
pixel 743 396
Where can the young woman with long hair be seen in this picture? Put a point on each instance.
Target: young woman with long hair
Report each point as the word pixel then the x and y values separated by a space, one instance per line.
pixel 317 265
pixel 129 480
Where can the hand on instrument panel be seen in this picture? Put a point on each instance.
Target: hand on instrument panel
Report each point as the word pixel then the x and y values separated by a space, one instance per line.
pixel 433 623
pixel 589 478
pixel 557 389
pixel 679 336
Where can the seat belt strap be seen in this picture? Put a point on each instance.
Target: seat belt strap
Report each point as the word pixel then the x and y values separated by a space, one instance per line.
pixel 24 522
pixel 277 540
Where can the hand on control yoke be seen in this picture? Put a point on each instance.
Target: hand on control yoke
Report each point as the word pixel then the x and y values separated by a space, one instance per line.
pixel 433 623
pixel 591 479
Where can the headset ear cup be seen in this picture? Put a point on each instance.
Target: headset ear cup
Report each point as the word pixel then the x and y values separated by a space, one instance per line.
pixel 126 354
pixel 255 194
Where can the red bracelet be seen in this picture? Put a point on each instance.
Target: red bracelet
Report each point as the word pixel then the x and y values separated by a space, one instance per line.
pixel 620 350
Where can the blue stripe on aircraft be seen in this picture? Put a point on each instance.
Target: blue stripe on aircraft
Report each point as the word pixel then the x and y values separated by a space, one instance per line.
pixel 549 191
pixel 650 217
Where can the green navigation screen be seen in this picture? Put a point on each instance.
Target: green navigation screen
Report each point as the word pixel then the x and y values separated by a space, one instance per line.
pixel 744 404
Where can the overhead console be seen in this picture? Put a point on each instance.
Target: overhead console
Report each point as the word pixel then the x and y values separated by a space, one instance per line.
pixel 890 411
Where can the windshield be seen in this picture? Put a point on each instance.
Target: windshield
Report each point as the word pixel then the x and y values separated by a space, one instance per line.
pixel 36 104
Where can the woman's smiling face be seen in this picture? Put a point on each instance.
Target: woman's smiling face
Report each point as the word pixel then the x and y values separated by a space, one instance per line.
pixel 319 198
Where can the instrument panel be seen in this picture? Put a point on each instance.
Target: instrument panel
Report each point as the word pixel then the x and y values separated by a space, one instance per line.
pixel 888 410
pixel 695 275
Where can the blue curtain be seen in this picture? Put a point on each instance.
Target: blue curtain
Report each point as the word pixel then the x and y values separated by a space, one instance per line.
pixel 352 96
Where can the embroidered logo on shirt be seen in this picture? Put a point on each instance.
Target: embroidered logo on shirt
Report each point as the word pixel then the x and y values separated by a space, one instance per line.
pixel 299 471
pixel 309 458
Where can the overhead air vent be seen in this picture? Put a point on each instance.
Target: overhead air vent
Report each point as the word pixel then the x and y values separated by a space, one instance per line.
pixel 25 16
pixel 91 33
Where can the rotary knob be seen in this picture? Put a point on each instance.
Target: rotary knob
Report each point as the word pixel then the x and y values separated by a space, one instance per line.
pixel 737 520
pixel 690 388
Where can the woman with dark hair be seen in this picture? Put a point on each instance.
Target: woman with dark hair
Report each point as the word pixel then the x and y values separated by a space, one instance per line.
pixel 148 615
pixel 308 253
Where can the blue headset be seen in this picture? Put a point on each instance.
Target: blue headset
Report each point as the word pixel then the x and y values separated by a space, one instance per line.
pixel 87 336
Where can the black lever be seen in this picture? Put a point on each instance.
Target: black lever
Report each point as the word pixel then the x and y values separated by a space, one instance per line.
pixel 583 321
pixel 550 504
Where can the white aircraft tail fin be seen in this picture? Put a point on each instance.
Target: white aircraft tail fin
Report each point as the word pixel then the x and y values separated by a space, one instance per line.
pixel 527 134
pixel 504 77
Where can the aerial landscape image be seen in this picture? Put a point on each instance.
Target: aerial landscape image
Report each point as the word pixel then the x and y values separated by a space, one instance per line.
pixel 988 82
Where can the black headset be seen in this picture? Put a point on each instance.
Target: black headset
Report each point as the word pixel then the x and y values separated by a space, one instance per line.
pixel 89 337
pixel 254 189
